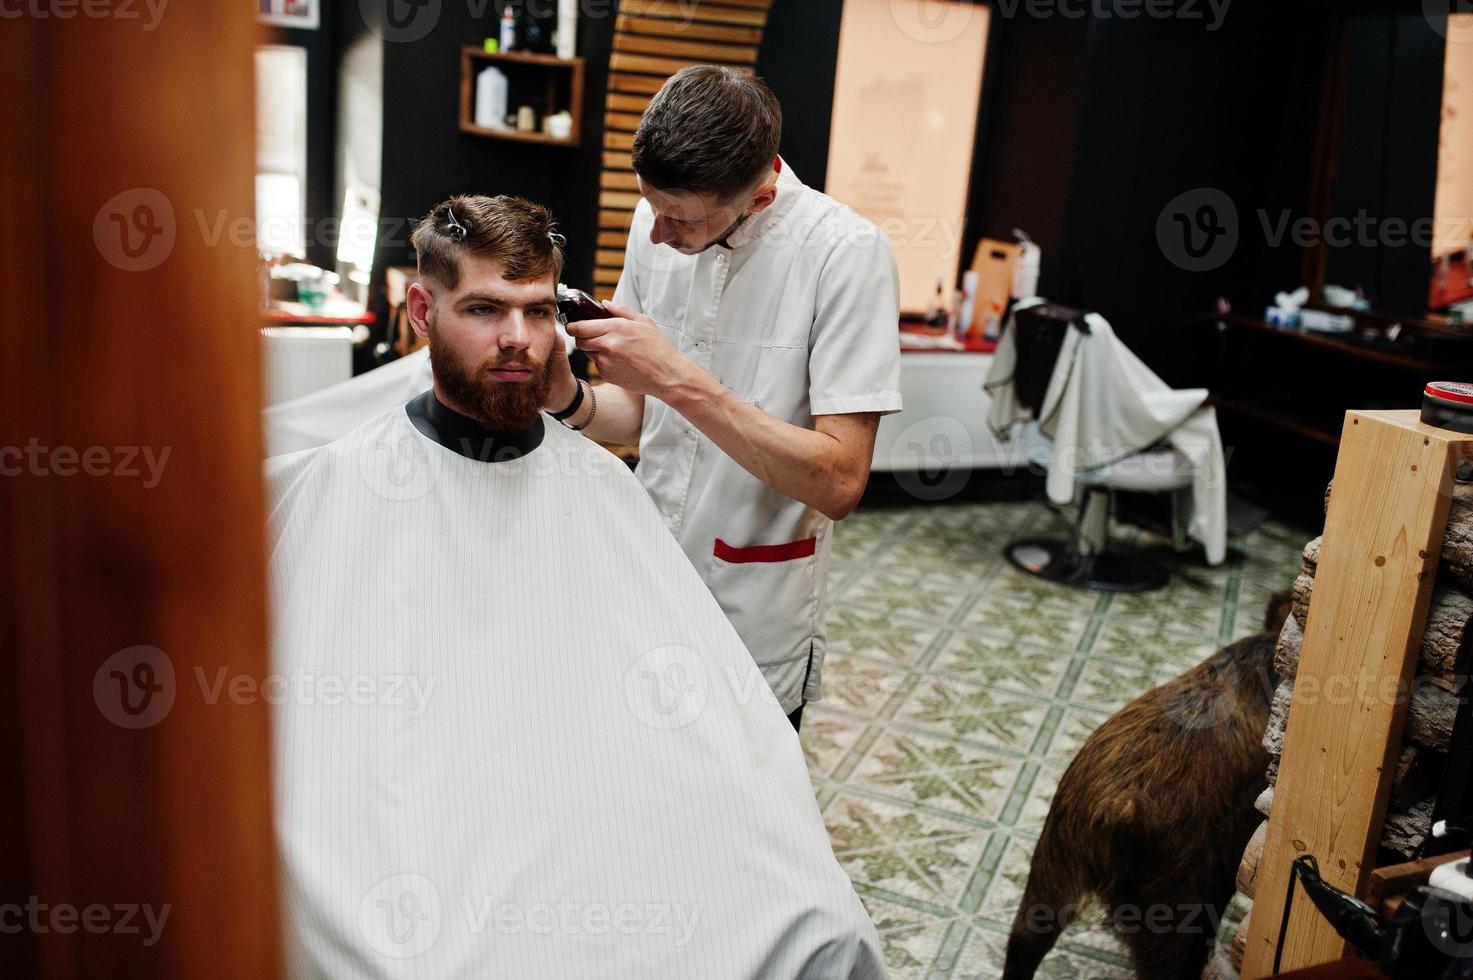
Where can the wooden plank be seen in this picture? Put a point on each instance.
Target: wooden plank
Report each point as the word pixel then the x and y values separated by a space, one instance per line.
pixel 606 277
pixel 693 30
pixel 618 102
pixel 702 50
pixel 624 122
pixel 619 180
pixel 618 141
pixel 1373 584
pixel 612 258
pixel 645 64
pixel 1396 880
pixel 138 565
pixel 615 160
pixel 615 220
pixel 613 239
pixel 604 293
pixel 684 12
pixel 640 84
pixel 618 200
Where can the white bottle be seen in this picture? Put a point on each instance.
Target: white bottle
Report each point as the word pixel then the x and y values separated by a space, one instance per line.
pixel 491 99
pixel 1025 272
pixel 567 28
pixel 508 39
pixel 970 281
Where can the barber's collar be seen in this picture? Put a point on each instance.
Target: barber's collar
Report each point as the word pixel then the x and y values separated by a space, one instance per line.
pixel 750 231
pixel 466 437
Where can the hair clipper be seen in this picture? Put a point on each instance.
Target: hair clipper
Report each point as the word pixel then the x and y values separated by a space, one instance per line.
pixel 574 305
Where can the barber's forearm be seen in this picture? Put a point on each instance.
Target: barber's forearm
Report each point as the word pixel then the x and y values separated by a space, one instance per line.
pixel 618 418
pixel 806 465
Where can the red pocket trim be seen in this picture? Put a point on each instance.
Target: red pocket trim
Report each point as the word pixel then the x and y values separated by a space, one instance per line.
pixel 766 552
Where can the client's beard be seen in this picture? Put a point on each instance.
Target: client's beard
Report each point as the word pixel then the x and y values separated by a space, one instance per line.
pixel 497 405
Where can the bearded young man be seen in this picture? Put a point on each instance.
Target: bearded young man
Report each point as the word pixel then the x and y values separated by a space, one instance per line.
pixel 521 739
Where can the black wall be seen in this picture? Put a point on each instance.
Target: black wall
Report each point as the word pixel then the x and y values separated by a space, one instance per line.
pixel 1168 108
pixel 1388 155
pixel 427 159
pixel 800 50
pixel 1089 126
pixel 1027 124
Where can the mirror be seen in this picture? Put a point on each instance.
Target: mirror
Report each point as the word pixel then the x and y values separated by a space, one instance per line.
pixel 1398 182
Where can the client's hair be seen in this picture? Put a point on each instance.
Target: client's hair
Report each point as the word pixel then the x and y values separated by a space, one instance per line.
pixel 710 130
pixel 510 230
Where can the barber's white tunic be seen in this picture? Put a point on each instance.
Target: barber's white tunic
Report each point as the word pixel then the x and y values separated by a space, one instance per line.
pixel 798 316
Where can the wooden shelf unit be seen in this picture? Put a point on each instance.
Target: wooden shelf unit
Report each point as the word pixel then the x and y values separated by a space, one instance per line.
pixel 561 75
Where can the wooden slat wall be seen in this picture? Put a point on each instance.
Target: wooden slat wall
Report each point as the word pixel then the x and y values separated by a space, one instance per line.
pixel 653 39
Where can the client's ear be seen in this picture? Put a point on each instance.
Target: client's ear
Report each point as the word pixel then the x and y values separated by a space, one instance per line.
pixel 417 302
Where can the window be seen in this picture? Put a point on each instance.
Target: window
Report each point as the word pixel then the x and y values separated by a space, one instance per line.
pixel 281 150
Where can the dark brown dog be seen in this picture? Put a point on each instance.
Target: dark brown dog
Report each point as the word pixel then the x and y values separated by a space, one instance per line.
pixel 1153 814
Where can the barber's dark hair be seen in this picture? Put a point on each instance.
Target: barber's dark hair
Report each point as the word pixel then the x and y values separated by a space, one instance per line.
pixel 511 230
pixel 710 130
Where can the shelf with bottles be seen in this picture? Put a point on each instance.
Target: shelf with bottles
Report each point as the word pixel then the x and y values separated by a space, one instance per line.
pixel 546 82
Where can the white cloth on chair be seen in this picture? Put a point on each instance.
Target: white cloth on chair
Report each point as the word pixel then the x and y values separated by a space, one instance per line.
pixel 317 418
pixel 1102 404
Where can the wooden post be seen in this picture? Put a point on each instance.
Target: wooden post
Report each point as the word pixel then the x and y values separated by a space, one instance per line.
pixel 1383 534
pixel 135 803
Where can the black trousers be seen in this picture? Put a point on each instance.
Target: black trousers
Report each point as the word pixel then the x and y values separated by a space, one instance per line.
pixel 797 716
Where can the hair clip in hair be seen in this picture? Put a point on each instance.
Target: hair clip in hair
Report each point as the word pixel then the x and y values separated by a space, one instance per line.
pixel 456 230
pixel 557 239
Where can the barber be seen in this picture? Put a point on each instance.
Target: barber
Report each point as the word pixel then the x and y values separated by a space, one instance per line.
pixel 752 351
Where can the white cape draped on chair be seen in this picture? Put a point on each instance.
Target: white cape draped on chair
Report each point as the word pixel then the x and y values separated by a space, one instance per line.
pixel 1102 404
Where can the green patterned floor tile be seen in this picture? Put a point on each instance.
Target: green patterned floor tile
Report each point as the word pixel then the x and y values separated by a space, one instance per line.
pixel 970 711
pixel 860 686
pixel 919 769
pixel 827 737
pixel 1109 685
pixel 908 937
pixel 995 657
pixel 860 631
pixel 1152 647
pixel 908 853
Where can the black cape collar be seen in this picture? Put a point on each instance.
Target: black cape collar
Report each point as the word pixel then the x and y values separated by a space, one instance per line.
pixel 467 437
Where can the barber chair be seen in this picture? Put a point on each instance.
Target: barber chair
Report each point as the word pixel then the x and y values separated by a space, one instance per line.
pixel 1088 559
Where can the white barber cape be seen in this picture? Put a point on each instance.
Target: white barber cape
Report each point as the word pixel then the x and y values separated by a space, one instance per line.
pixel 521 740
pixel 1104 403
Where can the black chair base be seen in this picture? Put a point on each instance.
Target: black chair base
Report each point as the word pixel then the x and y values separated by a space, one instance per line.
pixel 1059 561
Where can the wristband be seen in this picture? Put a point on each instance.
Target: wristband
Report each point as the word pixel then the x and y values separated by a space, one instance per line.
pixel 573 405
pixel 592 410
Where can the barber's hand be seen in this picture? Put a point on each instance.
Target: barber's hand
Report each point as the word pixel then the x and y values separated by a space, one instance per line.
pixel 631 351
pixel 564 385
